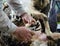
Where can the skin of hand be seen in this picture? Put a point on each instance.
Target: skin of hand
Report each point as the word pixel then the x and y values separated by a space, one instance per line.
pixel 28 19
pixel 23 34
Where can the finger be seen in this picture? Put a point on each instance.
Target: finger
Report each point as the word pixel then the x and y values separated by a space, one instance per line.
pixel 18 37
pixel 29 21
pixel 25 21
pixel 22 37
pixel 29 36
pixel 27 25
pixel 32 21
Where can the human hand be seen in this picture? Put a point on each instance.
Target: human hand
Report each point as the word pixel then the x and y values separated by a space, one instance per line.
pixel 23 34
pixel 28 19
